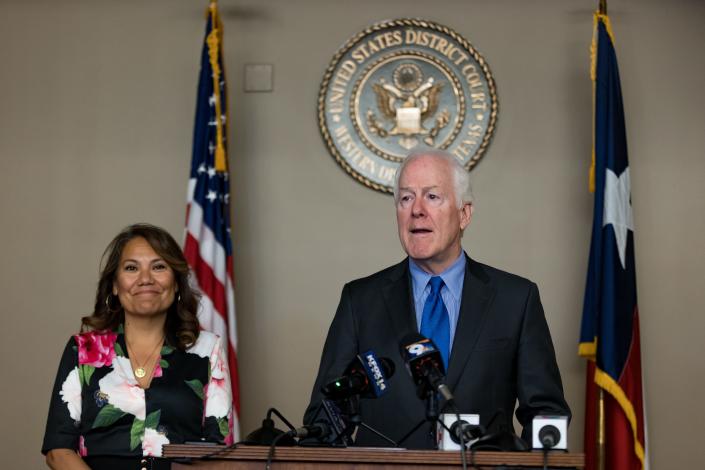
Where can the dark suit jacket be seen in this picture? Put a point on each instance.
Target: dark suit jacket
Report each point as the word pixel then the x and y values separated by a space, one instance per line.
pixel 502 351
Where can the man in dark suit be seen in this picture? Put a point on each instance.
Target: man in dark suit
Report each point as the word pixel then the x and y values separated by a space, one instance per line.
pixel 488 324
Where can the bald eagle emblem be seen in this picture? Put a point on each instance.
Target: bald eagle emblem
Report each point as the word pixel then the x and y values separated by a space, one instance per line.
pixel 405 107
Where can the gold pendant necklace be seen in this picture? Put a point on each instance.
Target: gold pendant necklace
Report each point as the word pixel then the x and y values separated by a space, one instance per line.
pixel 140 371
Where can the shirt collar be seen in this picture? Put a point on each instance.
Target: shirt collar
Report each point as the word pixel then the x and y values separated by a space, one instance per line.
pixel 453 278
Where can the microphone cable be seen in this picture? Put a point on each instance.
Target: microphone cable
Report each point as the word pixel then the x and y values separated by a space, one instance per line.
pixel 545 458
pixel 549 436
pixel 461 435
pixel 234 445
pixel 463 457
pixel 272 447
pixel 208 456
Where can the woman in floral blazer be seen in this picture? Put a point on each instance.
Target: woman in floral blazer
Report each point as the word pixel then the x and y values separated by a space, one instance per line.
pixel 141 375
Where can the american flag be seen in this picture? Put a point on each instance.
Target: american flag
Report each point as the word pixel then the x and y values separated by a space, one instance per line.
pixel 208 246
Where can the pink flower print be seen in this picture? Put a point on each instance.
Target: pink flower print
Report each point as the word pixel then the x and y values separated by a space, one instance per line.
pixel 96 349
pixel 71 394
pixel 158 372
pixel 218 398
pixel 152 442
pixel 218 392
pixel 122 390
pixel 219 365
pixel 82 450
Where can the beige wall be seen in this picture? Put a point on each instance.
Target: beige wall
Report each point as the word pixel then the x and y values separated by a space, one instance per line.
pixel 96 114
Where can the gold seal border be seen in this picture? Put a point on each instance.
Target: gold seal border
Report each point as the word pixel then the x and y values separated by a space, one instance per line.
pixel 402 22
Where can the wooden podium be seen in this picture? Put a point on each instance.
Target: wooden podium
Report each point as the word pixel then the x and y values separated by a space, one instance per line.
pixel 361 458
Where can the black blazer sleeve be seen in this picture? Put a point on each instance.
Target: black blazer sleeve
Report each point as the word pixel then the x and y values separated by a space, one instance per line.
pixel 539 386
pixel 61 429
pixel 340 349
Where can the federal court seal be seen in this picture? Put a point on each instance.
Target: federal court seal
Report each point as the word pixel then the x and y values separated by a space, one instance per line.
pixel 400 84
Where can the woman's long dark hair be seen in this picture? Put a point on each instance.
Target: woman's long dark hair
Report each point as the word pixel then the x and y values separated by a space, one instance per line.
pixel 181 327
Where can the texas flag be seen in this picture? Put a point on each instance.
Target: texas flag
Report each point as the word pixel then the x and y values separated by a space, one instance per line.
pixel 609 335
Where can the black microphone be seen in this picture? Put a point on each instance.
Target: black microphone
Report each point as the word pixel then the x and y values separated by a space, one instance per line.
pixel 466 430
pixel 318 430
pixel 424 362
pixel 365 376
pixel 549 436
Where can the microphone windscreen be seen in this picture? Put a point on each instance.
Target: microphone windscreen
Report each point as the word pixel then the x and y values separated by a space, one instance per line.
pixel 415 349
pixel 407 341
pixel 549 436
pixel 387 366
pixel 377 371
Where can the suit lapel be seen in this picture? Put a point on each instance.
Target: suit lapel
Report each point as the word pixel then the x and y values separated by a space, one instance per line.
pixel 397 297
pixel 478 293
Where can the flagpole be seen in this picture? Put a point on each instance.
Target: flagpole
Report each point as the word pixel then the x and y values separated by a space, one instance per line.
pixel 600 429
pixel 207 242
pixel 602 9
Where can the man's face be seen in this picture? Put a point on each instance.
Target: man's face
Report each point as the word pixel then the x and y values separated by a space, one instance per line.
pixel 429 221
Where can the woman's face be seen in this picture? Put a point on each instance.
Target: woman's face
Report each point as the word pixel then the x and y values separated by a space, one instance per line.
pixel 144 282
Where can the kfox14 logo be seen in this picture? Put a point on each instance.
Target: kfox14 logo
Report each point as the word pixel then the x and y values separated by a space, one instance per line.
pixel 377 374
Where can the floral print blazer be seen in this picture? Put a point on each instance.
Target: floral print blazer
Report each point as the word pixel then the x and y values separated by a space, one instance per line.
pixel 98 408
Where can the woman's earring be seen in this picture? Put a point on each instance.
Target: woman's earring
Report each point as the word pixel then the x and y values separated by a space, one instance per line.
pixel 107 304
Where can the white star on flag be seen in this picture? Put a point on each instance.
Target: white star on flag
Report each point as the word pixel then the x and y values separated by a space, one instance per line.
pixel 211 196
pixel 211 172
pixel 618 209
pixel 201 168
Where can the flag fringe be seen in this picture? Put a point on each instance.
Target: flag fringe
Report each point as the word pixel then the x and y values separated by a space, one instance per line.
pixel 597 17
pixel 588 350
pixel 607 383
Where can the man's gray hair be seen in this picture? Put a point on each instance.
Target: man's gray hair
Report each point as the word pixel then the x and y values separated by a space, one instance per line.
pixel 461 177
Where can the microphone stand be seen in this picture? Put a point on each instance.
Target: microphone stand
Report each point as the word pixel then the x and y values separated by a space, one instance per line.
pixel 431 414
pixel 432 417
pixel 351 407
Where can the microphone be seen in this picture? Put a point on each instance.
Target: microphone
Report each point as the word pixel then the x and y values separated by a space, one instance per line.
pixel 549 436
pixel 266 434
pixel 468 431
pixel 319 430
pixel 452 426
pixel 549 432
pixel 424 363
pixel 365 376
pixel 328 427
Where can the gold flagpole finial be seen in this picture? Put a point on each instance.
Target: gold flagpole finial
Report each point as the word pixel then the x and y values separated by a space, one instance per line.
pixel 214 41
pixel 603 7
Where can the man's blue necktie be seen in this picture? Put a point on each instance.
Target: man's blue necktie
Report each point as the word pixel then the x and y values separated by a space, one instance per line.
pixel 434 322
